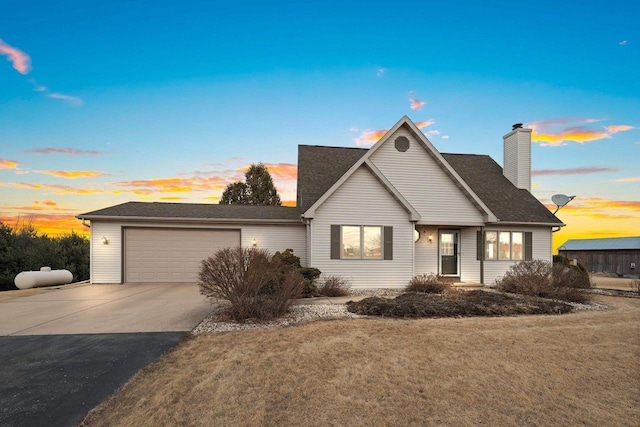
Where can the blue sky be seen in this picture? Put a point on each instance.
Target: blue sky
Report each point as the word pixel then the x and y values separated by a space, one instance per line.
pixel 108 101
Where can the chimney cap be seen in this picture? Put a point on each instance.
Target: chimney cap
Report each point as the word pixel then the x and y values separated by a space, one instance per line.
pixel 516 126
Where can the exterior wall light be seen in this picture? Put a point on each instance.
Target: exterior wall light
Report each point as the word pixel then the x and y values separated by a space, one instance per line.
pixel 416 235
pixel 105 241
pixel 254 243
pixel 430 238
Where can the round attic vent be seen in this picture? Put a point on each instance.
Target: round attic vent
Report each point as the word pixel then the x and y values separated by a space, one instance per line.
pixel 402 143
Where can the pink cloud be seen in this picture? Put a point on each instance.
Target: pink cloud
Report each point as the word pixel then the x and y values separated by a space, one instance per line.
pixel 69 151
pixel 573 171
pixel 369 137
pixel 20 60
pixel 416 104
pixel 445 136
pixel 619 128
pixel 70 99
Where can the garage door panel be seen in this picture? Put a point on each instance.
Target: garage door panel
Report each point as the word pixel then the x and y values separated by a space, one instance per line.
pixel 171 255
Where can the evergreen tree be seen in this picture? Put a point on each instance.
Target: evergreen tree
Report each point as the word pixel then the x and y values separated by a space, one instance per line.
pixel 258 189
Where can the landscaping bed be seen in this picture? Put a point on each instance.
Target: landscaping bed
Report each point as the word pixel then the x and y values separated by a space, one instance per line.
pixel 456 304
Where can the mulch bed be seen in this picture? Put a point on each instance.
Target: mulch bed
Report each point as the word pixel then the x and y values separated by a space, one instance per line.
pixel 456 304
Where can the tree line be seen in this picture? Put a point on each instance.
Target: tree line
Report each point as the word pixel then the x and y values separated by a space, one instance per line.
pixel 23 248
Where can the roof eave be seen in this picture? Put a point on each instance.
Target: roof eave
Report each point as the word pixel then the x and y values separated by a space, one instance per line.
pixel 186 219
pixel 546 224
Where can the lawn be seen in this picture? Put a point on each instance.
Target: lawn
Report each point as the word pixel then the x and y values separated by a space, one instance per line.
pixel 574 369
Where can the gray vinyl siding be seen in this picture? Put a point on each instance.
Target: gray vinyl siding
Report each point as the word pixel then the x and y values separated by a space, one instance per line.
pixel 469 265
pixel 424 184
pixel 362 200
pixel 277 238
pixel 106 260
pixel 427 253
pixel 541 250
pixel 517 158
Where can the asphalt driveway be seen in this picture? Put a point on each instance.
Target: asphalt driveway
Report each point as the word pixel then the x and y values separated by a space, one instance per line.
pixel 64 351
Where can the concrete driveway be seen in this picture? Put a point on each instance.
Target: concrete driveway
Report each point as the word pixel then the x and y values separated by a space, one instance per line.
pixel 65 351
pixel 96 309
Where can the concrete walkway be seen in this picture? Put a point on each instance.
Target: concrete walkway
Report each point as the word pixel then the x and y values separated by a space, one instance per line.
pixel 94 309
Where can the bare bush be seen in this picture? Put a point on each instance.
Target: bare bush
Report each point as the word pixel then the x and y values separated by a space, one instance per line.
pixel 429 284
pixel 536 278
pixel 250 280
pixel 334 286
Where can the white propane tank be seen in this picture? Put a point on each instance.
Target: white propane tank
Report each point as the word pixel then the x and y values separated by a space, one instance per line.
pixel 44 277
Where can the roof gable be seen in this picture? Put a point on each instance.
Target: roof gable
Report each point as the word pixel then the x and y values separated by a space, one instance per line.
pixel 429 148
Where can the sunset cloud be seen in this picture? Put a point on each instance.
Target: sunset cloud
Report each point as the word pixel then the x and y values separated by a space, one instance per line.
pixel 68 98
pixel 631 179
pixel 619 128
pixel 46 202
pixel 573 171
pixel 72 174
pixel 579 134
pixel 176 185
pixel 53 224
pixel 8 164
pixel 68 151
pixel 369 137
pixel 283 171
pixel 547 134
pixel 172 198
pixel 20 60
pixel 416 104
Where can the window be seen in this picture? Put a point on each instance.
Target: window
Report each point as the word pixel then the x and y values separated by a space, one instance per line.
pixel 361 242
pixel 505 245
pixel 350 242
pixel 491 245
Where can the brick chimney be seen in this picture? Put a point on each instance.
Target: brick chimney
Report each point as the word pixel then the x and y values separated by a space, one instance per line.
pixel 517 156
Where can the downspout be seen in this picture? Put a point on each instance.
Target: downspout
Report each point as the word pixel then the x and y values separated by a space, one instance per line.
pixel 307 223
pixel 482 255
pixel 85 224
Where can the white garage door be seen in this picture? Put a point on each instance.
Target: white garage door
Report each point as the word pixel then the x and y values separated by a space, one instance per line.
pixel 171 255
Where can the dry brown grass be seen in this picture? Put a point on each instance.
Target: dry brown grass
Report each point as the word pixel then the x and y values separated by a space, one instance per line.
pixel 576 369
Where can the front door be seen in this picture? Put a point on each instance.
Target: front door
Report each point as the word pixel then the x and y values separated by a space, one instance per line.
pixel 449 244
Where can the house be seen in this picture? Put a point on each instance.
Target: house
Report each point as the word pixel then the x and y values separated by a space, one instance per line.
pixel 617 255
pixel 375 216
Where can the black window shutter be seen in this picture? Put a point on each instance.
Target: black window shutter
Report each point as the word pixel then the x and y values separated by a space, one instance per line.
pixel 388 242
pixel 480 245
pixel 528 246
pixel 335 241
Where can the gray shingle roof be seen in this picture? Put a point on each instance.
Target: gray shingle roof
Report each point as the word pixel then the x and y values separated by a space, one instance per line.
pixel 320 167
pixel 611 243
pixel 505 200
pixel 196 211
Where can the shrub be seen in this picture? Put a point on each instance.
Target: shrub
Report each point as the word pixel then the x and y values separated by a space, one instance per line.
pixel 334 286
pixel 251 280
pixel 455 304
pixel 289 261
pixel 429 284
pixel 536 278
pixel 566 274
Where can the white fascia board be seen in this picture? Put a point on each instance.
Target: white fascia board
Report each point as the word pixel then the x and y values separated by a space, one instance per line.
pixel 490 216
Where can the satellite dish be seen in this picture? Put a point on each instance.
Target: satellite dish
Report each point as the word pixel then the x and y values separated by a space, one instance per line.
pixel 561 200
